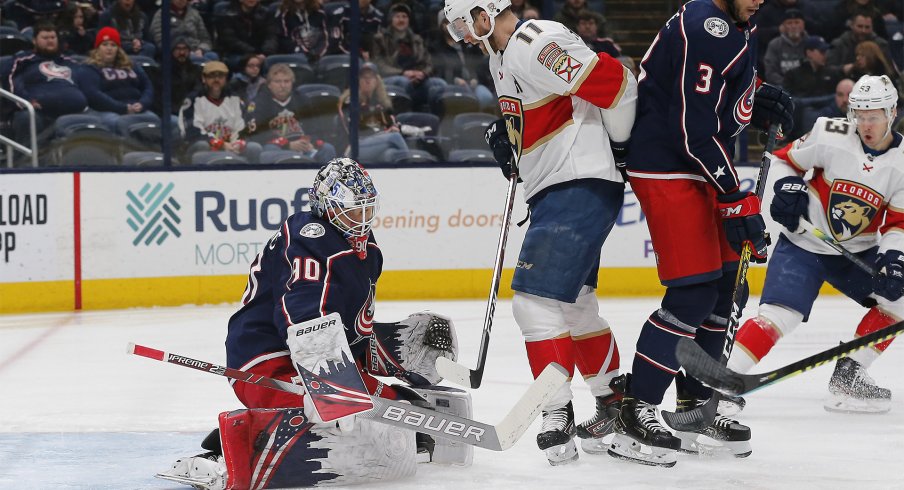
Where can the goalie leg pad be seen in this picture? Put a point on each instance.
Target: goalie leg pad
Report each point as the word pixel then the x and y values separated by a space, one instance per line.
pixel 281 448
pixel 408 349
pixel 454 402
pixel 324 361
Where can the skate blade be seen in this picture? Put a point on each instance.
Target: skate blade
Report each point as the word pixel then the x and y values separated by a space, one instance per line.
pixel 627 449
pixel 199 483
pixel 562 454
pixel 596 445
pixel 705 446
pixel 846 404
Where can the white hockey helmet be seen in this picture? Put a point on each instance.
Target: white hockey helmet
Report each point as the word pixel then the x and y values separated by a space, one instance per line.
pixel 873 92
pixel 458 12
pixel 341 188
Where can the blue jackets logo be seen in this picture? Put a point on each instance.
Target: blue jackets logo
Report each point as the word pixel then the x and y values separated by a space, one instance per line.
pixel 153 214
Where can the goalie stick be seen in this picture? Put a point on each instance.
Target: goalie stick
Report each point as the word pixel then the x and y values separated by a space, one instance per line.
pixel 703 416
pixel 497 437
pixel 451 370
pixel 700 365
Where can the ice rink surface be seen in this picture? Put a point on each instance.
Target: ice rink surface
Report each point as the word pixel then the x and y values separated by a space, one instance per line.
pixel 77 412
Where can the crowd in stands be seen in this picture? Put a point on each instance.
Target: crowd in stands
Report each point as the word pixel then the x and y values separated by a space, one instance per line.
pixel 267 80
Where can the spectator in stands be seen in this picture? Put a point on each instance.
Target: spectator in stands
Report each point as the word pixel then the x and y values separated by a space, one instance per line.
pixel 530 13
pixel 274 118
pixel 786 52
pixel 570 15
pixel 518 7
pixel 185 23
pixel 248 81
pixel 460 64
pixel 813 77
pixel 870 60
pixel 302 28
pixel 844 48
pixel 185 75
pixel 26 13
pixel 51 82
pixel 771 14
pixel 213 119
pixel 244 29
pixel 842 16
pixel 113 84
pixel 378 132
pixel 371 21
pixel 589 27
pixel 132 25
pixel 404 60
pixel 74 38
pixel 420 18
pixel 838 107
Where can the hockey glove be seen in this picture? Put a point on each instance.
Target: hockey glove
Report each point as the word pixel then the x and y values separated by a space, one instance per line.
pixel 620 155
pixel 772 105
pixel 889 281
pixel 790 202
pixel 743 224
pixel 496 136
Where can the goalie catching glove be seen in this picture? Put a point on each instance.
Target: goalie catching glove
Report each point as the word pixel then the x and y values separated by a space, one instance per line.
pixel 408 349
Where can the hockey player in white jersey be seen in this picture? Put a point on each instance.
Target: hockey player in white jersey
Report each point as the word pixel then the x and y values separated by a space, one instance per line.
pixel 856 194
pixel 566 111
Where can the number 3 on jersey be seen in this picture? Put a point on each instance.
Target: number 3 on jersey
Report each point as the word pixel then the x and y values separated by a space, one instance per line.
pixel 706 74
pixel 305 268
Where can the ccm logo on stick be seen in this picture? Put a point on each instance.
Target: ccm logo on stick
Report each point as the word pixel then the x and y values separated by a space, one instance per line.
pixel 417 419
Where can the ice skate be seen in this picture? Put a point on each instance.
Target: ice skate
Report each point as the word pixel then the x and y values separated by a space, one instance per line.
pixel 724 435
pixel 205 471
pixel 556 437
pixel 852 390
pixel 730 406
pixel 640 438
pixel 593 430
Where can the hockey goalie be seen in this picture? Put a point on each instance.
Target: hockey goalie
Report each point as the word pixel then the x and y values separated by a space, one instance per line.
pixel 307 317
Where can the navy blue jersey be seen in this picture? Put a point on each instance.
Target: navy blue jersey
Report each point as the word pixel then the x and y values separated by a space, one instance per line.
pixel 695 94
pixel 307 270
pixel 55 82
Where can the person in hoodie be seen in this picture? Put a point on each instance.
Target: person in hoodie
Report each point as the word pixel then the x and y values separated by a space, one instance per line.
pixel 114 85
pixel 787 51
pixel 50 82
pixel 185 23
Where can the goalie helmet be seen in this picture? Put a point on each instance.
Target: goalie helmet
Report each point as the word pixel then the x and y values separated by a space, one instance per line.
pixel 344 194
pixel 461 22
pixel 873 92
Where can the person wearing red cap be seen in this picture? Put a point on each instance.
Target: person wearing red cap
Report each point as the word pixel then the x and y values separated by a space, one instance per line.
pixel 114 84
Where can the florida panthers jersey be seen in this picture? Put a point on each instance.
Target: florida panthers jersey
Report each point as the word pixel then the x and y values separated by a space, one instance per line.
pixel 551 88
pixel 854 194
pixel 306 270
pixel 695 91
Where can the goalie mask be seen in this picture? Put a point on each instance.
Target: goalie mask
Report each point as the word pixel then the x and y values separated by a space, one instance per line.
pixel 873 92
pixel 461 22
pixel 408 349
pixel 344 194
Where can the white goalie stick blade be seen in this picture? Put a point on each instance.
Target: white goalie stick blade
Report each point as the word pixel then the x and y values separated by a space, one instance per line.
pixel 494 437
pixel 453 372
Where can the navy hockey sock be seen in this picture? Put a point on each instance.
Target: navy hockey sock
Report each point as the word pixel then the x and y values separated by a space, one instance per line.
pixel 655 364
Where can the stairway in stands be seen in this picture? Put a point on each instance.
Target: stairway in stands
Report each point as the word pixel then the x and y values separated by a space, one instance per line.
pixel 634 23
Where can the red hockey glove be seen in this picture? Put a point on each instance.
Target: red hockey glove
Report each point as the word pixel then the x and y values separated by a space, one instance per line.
pixel 743 224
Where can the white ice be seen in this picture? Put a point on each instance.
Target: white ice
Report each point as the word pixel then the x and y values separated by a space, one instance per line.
pixel 77 412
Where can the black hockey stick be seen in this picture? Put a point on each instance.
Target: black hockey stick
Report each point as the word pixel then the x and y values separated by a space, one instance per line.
pixel 497 437
pixel 831 242
pixel 451 370
pixel 701 366
pixel 703 416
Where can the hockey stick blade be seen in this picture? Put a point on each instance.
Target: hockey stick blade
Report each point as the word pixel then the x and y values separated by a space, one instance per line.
pixel 399 414
pixel 699 364
pixel 456 373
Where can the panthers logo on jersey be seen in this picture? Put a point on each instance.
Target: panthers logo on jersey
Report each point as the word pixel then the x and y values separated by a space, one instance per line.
pixel 852 208
pixel 514 121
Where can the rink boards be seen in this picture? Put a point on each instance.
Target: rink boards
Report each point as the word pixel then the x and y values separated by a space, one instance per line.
pixel 95 240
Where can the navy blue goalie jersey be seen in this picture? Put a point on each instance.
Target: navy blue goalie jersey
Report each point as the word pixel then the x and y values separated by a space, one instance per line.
pixel 695 95
pixel 306 270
